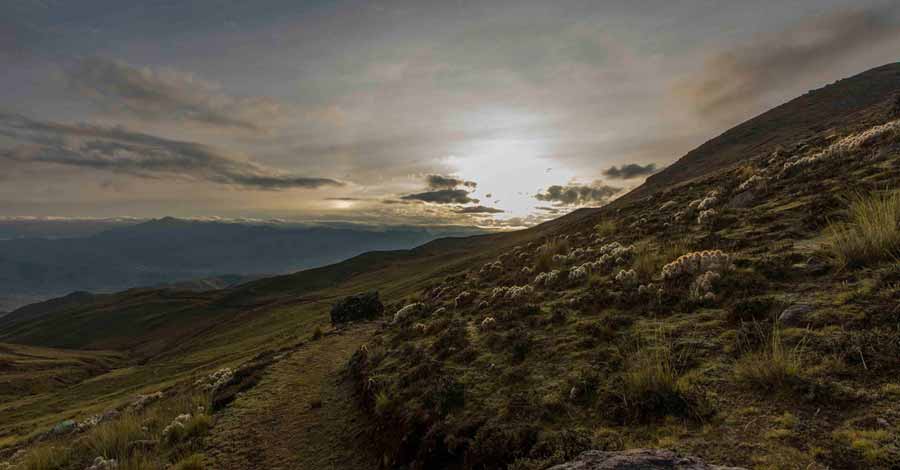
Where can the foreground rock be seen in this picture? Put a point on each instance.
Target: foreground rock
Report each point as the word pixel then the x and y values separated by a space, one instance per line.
pixel 365 306
pixel 637 459
pixel 795 315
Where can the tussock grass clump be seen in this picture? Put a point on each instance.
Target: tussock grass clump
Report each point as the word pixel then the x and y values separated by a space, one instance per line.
pixel 605 228
pixel 192 462
pixel 871 233
pixel 771 367
pixel 46 457
pixel 554 246
pixel 185 428
pixel 111 439
pixel 652 384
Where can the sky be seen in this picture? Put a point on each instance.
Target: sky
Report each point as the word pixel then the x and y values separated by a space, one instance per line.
pixel 490 113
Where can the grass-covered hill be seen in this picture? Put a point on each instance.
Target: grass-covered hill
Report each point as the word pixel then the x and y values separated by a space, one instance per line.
pixel 745 310
pixel 855 102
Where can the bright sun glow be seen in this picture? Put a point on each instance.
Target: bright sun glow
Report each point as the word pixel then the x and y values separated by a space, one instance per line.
pixel 512 171
pixel 342 204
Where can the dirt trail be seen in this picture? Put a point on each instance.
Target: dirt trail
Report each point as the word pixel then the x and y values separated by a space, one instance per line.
pixel 279 424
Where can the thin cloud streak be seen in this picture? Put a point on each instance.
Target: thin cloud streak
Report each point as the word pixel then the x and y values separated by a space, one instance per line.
pixel 118 150
pixel 164 94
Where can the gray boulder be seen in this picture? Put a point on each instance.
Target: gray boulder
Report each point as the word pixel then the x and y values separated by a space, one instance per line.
pixel 795 315
pixel 637 459
pixel 366 306
pixel 741 200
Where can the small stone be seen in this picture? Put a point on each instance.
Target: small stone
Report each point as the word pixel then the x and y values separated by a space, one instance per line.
pixel 637 459
pixel 743 199
pixel 143 445
pixel 795 315
pixel 64 427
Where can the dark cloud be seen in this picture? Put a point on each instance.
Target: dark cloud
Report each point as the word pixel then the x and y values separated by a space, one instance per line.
pixel 164 95
pixel 578 195
pixel 734 80
pixel 550 210
pixel 121 151
pixel 442 196
pixel 479 210
pixel 448 182
pixel 630 170
pixel 348 199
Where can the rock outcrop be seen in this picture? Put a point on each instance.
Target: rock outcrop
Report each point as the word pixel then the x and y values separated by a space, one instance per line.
pixel 637 459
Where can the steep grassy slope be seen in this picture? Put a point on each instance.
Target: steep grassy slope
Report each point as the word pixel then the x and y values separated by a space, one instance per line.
pixel 760 350
pixel 851 103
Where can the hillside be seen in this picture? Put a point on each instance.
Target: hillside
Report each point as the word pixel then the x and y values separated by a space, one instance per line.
pixel 716 311
pixel 170 250
pixel 853 103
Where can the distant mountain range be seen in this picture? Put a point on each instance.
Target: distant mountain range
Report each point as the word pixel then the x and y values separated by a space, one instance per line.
pixel 187 254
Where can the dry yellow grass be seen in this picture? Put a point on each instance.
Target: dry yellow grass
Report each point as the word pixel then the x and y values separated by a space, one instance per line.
pixel 871 234
pixel 545 252
pixel 773 366
pixel 46 457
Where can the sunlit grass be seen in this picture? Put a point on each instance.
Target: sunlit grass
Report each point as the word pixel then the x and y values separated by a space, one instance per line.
pixel 775 365
pixel 46 457
pixel 545 252
pixel 871 234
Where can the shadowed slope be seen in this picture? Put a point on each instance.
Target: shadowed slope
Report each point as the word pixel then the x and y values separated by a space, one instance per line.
pixel 845 103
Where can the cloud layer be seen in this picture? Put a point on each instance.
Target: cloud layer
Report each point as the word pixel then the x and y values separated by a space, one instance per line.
pixel 629 171
pixel 479 210
pixel 442 196
pixel 165 94
pixel 578 195
pixel 121 151
pixel 448 182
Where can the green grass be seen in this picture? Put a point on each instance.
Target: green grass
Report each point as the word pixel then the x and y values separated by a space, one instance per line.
pixel 872 232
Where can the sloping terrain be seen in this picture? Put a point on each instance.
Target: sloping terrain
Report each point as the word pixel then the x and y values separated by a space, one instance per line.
pixel 849 104
pixel 302 404
pixel 715 312
pixel 719 319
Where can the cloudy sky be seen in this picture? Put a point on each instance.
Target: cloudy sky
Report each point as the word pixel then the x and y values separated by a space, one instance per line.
pixel 497 113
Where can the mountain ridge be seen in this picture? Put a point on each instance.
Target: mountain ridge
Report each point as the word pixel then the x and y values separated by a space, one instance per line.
pixel 873 92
